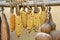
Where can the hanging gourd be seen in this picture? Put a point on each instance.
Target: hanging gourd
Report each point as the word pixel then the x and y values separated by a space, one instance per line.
pixel 51 22
pixel 24 17
pixel 5 32
pixel 0 27
pixel 46 28
pixel 55 34
pixel 36 18
pixel 18 22
pixel 29 19
pixel 43 36
pixel 12 19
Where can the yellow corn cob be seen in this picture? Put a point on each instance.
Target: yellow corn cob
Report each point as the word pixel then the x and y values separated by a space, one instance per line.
pixel 24 19
pixel 12 22
pixel 29 22
pixel 36 21
pixel 43 17
pixel 19 25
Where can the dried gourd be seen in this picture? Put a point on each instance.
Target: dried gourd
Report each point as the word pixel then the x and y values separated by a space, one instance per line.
pixel 46 28
pixel 43 36
pixel 55 35
pixel 5 32
pixel 0 26
pixel 51 22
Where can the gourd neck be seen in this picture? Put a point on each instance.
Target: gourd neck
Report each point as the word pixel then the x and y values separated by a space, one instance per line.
pixel 50 17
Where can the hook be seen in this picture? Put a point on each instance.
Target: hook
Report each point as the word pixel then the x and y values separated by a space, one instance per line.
pixel 2 9
pixel 49 8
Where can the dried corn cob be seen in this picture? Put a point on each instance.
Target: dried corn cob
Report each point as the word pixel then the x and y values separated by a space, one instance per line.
pixel 36 21
pixel 43 17
pixel 12 22
pixel 30 21
pixel 18 25
pixel 24 18
pixel 43 14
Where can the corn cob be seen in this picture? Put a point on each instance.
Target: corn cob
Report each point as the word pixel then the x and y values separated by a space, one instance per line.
pixel 30 21
pixel 43 17
pixel 36 21
pixel 18 25
pixel 12 22
pixel 24 19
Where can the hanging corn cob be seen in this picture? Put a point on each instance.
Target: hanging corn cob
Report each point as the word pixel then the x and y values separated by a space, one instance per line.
pixel 29 20
pixel 18 22
pixel 36 18
pixel 24 17
pixel 19 25
pixel 12 20
pixel 43 15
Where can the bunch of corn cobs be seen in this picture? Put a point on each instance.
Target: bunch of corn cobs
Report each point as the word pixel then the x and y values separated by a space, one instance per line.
pixel 30 20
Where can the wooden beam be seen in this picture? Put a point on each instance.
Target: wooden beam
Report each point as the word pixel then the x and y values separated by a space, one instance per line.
pixel 4 4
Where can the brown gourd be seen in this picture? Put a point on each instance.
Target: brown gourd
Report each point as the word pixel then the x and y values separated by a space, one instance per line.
pixel 43 36
pixel 51 22
pixel 5 32
pixel 0 27
pixel 46 28
pixel 55 34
